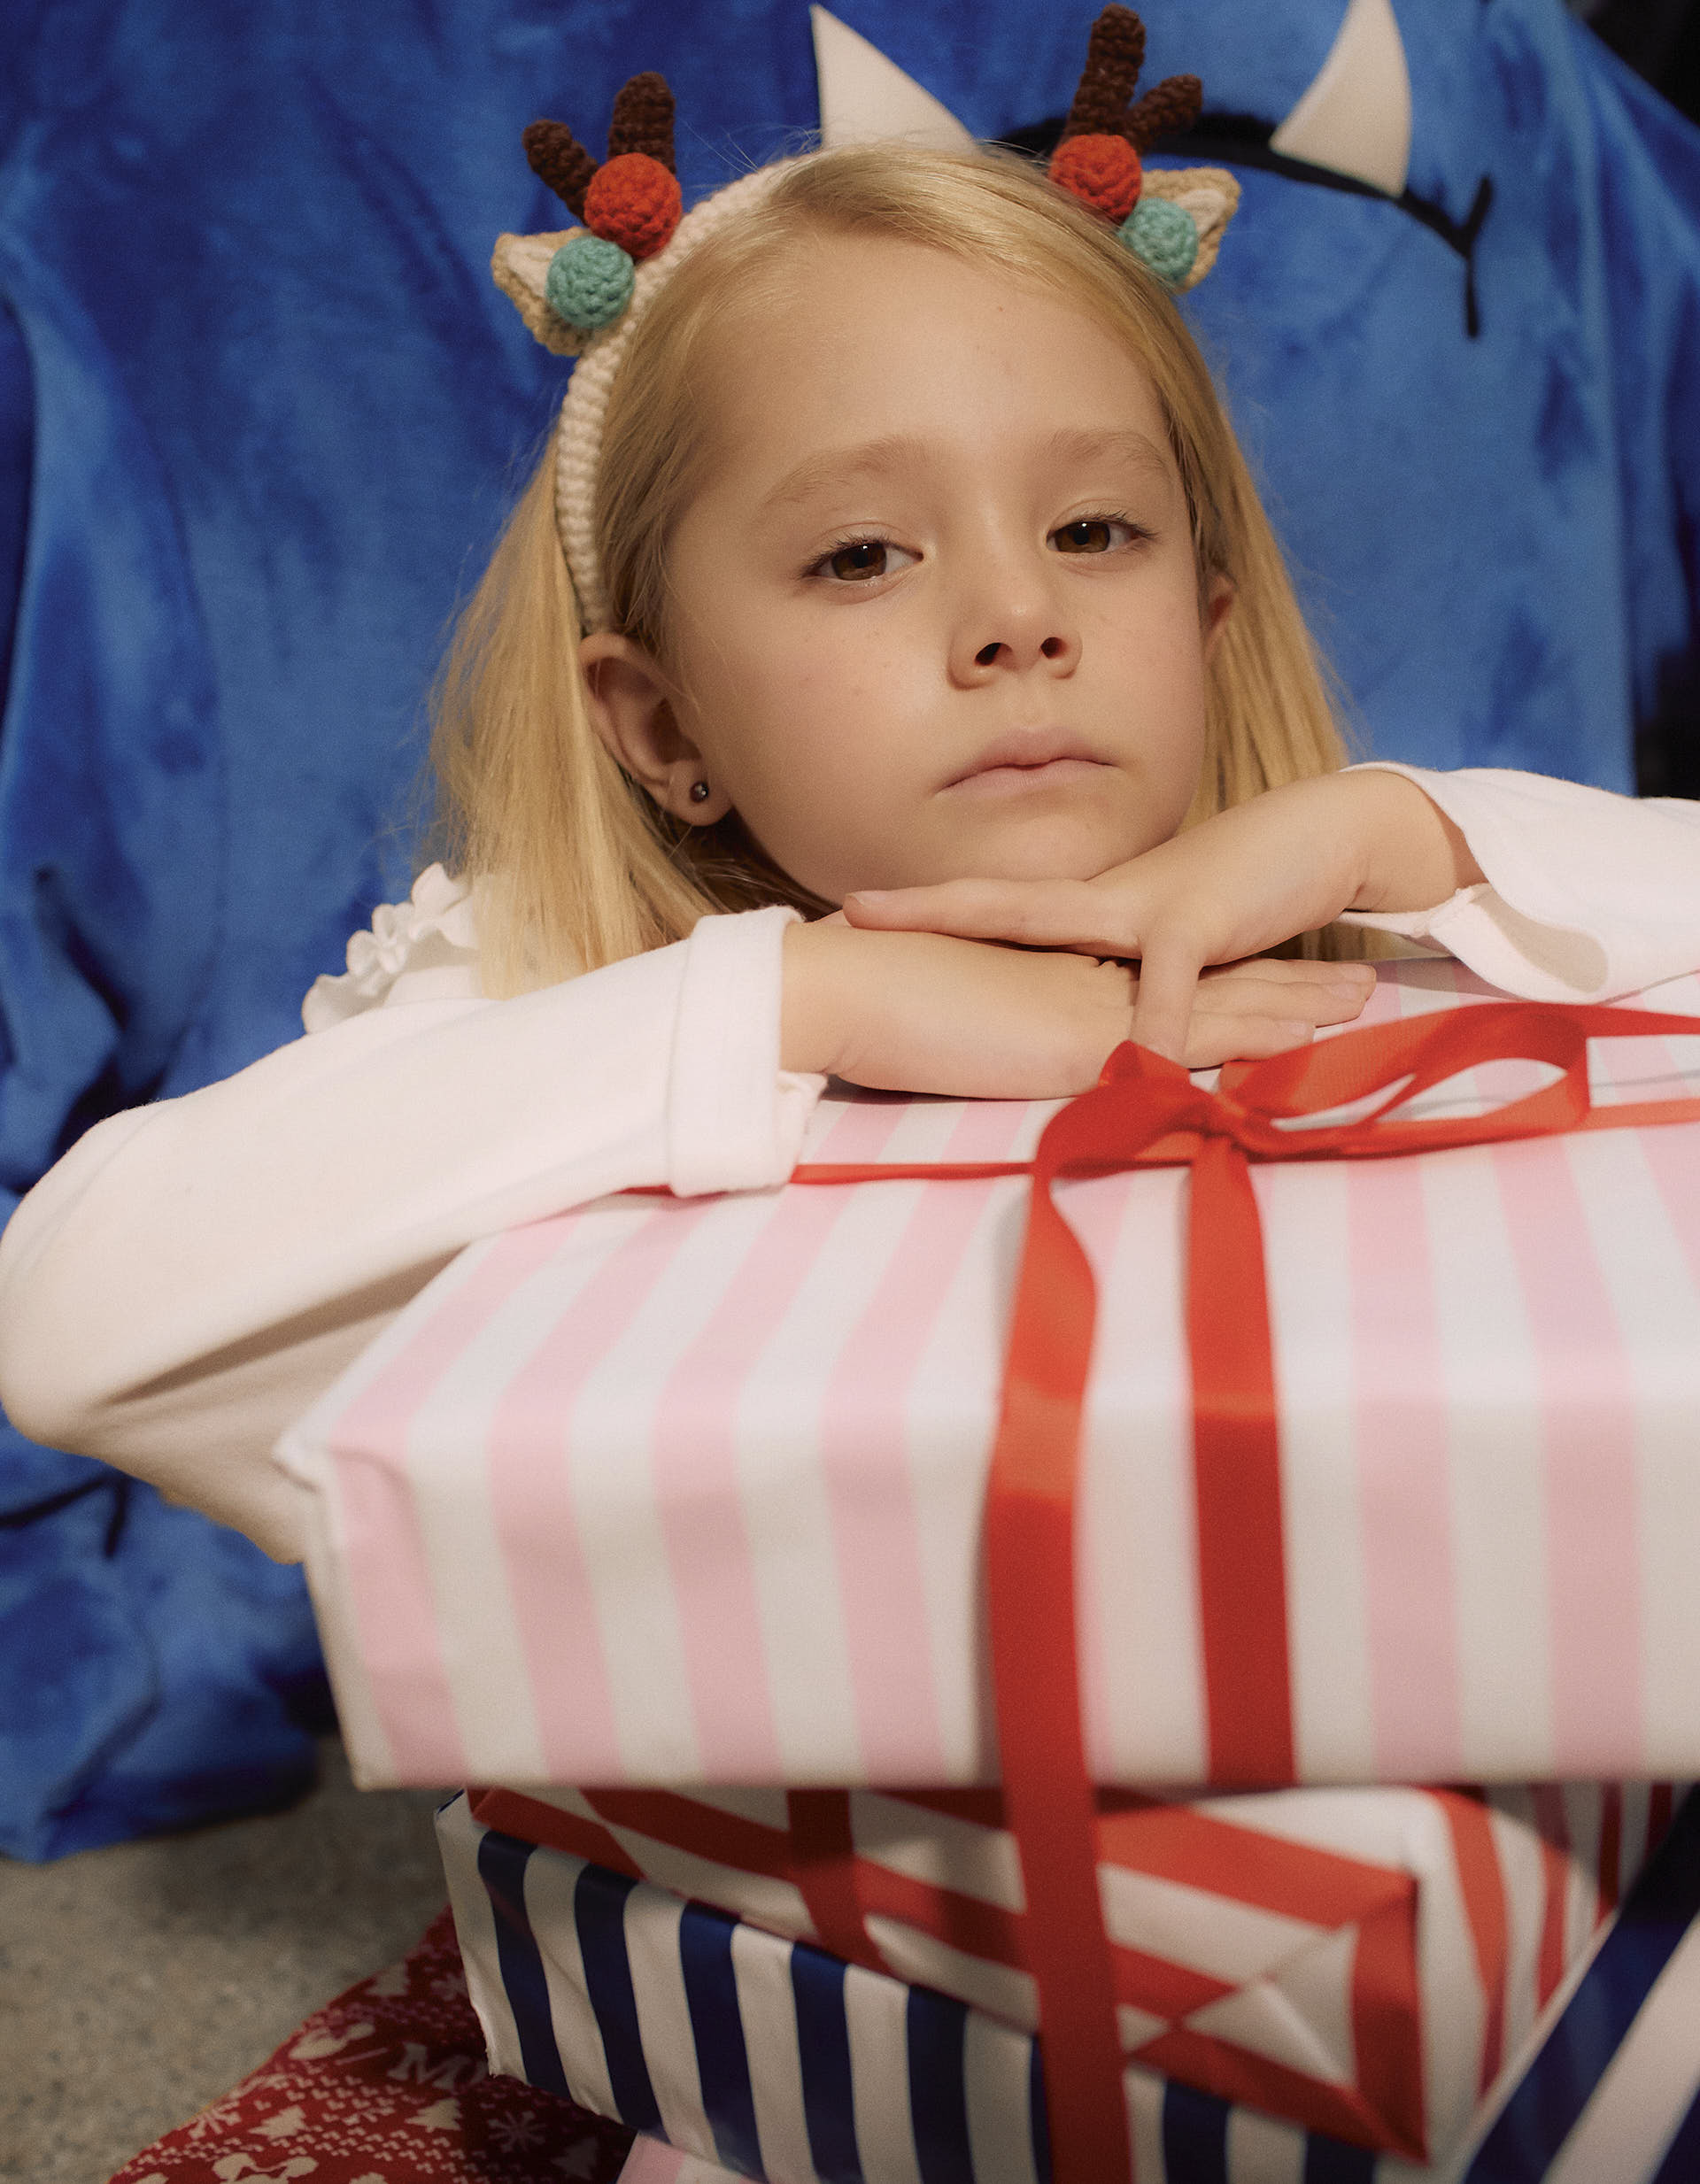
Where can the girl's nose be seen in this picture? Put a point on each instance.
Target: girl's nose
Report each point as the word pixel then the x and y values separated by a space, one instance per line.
pixel 1016 632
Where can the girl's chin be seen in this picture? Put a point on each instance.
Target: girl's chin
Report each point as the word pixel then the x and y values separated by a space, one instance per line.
pixel 1059 849
pixel 1058 845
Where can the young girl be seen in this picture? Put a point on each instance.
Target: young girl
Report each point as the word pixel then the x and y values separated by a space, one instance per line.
pixel 899 571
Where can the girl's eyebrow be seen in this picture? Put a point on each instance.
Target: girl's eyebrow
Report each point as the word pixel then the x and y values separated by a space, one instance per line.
pixel 1089 444
pixel 835 466
pixel 904 451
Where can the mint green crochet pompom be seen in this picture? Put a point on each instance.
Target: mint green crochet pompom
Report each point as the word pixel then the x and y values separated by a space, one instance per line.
pixel 1164 236
pixel 588 283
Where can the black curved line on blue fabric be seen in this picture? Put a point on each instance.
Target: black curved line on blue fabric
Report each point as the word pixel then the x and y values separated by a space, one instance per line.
pixel 1243 140
pixel 16 482
pixel 115 1483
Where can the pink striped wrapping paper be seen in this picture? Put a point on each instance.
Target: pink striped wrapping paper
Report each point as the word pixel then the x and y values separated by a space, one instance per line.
pixel 687 1492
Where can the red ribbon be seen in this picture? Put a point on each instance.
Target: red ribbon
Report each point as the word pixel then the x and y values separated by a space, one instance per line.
pixel 1147 1112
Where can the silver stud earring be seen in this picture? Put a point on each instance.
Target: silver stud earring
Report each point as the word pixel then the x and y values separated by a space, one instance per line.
pixel 698 791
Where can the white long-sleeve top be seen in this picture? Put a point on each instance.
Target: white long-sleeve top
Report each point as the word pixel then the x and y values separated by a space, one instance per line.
pixel 192 1274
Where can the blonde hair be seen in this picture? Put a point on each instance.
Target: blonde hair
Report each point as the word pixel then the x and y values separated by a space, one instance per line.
pixel 578 866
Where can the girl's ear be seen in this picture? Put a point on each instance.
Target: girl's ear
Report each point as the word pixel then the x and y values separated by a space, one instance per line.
pixel 631 708
pixel 1218 605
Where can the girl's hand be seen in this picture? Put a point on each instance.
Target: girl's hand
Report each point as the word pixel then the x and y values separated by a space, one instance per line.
pixel 920 1012
pixel 1285 863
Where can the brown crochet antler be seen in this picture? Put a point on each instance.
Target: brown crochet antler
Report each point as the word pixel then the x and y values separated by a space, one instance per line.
pixel 1168 109
pixel 1115 56
pixel 643 120
pixel 556 157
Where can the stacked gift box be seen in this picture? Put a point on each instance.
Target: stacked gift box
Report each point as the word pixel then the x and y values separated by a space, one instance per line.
pixel 742 1518
pixel 776 2058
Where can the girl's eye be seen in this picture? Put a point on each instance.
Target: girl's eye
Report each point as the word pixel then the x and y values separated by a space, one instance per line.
pixel 1093 534
pixel 861 560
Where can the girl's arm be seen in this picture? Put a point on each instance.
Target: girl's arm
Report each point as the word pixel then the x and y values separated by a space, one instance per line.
pixel 1587 894
pixel 926 1012
pixel 1549 890
pixel 193 1273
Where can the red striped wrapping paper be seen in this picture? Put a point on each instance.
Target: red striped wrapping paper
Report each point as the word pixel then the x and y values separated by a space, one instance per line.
pixel 1360 1962
pixel 670 1492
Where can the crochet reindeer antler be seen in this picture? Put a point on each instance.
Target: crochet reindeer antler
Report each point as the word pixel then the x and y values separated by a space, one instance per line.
pixel 1115 56
pixel 556 157
pixel 567 286
pixel 643 120
pixel 642 126
pixel 1167 109
pixel 1097 158
pixel 1102 107
pixel 1171 221
pixel 629 205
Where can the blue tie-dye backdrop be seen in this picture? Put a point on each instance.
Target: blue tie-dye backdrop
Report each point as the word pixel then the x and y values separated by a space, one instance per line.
pixel 259 407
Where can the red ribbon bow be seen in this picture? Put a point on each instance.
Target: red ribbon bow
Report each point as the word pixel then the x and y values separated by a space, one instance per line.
pixel 1146 1112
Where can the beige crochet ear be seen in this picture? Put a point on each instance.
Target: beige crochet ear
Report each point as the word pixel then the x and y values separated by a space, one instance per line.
pixel 1210 195
pixel 520 265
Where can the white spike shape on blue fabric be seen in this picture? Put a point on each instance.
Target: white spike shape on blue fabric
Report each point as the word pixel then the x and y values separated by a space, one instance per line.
pixel 1355 116
pixel 866 98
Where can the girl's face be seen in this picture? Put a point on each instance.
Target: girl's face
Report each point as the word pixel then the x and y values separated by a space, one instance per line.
pixel 935 613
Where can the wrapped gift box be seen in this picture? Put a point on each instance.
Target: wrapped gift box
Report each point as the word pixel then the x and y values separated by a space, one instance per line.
pixel 997 1446
pixel 779 2061
pixel 1358 1961
pixel 668 1492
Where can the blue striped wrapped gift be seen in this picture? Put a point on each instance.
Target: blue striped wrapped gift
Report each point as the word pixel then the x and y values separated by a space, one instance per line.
pixel 775 2061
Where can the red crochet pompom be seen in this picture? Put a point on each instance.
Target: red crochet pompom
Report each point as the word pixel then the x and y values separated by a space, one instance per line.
pixel 1103 172
pixel 635 201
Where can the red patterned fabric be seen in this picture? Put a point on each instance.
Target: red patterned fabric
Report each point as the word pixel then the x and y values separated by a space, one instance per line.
pixel 387 2085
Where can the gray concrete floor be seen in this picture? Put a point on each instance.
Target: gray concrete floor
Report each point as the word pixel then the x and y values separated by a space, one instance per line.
pixel 140 1982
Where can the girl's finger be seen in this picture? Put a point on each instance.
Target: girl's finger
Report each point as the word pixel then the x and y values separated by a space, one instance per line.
pixel 1247 995
pixel 1296 971
pixel 1038 914
pixel 1162 1007
pixel 1212 1041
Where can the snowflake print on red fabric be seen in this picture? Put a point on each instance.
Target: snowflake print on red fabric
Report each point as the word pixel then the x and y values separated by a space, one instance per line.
pixel 387 2085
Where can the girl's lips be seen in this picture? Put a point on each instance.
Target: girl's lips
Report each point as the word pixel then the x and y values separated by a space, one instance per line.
pixel 1020 780
pixel 1033 757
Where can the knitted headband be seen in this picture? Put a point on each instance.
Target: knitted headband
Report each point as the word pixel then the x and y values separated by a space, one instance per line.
pixel 584 292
